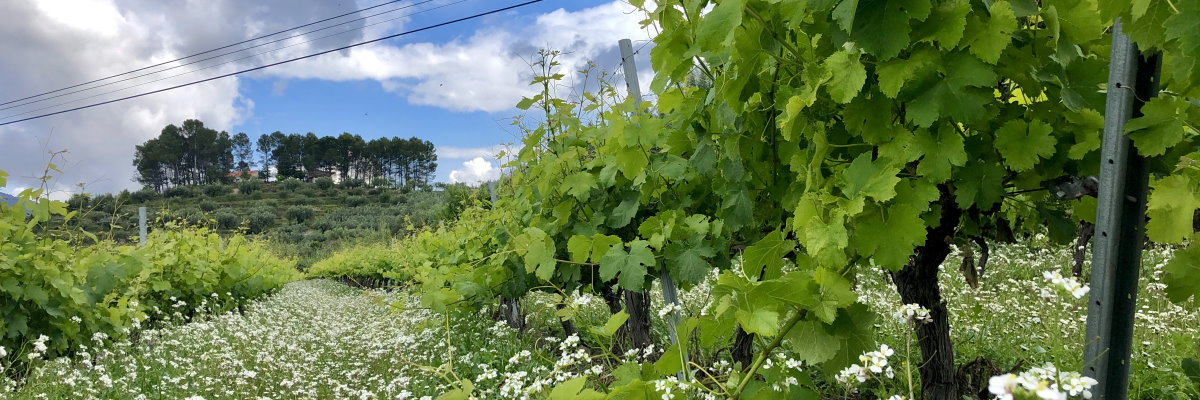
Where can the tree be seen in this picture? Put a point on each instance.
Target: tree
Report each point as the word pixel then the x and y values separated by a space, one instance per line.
pixel 243 152
pixel 267 143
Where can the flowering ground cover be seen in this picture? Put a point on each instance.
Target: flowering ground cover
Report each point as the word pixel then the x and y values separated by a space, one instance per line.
pixel 320 339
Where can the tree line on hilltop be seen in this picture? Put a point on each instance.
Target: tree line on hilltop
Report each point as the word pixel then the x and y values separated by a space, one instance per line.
pixel 192 154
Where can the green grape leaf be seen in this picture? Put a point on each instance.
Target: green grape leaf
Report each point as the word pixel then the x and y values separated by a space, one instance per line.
pixel 574 389
pixel 1159 127
pixel 893 74
pixel 689 262
pixel 942 151
pixel 987 39
pixel 849 79
pixel 767 253
pixel 844 14
pixel 537 249
pixel 824 240
pixel 811 343
pixel 1022 143
pixel 1170 208
pixel 527 102
pixel 890 238
pixel 1182 273
pixel 1146 28
pixel 738 209
pixel 669 362
pixel 855 326
pixel 960 94
pixel 1182 28
pixel 613 324
pixel 624 212
pixel 982 184
pixel 947 31
pixel 1088 126
pixel 834 292
pixel 630 265
pixel 874 179
pixel 463 392
pixel 759 321
pixel 579 247
pixel 601 244
pixel 881 26
pixel 579 184
pixel 631 161
pixel 715 29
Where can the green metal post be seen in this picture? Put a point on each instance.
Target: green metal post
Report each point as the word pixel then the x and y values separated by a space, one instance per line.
pixel 1120 222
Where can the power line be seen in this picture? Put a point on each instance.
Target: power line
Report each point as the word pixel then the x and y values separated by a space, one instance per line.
pixel 207 67
pixel 201 53
pixel 205 59
pixel 282 62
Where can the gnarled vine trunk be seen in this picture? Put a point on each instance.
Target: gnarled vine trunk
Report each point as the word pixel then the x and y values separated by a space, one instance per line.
pixel 918 283
pixel 637 327
pixel 1086 231
pixel 510 312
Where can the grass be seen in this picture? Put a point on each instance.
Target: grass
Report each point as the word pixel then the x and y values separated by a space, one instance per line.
pixel 319 339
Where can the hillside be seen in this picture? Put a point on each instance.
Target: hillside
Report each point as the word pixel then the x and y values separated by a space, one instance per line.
pixel 7 199
pixel 303 219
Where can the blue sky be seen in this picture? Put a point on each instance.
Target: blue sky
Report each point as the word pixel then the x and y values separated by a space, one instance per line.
pixel 366 108
pixel 455 85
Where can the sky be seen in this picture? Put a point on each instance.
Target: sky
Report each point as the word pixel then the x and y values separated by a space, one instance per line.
pixel 455 85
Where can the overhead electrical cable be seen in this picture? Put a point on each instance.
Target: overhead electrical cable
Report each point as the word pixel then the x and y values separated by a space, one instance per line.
pixel 228 53
pixel 482 14
pixel 214 65
pixel 203 52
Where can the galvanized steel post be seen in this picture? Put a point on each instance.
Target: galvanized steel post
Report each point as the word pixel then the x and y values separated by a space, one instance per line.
pixel 1120 222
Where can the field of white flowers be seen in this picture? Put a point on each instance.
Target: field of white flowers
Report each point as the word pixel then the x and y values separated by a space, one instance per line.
pixel 323 340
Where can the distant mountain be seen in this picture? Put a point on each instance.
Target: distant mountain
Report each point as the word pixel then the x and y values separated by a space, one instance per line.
pixel 7 199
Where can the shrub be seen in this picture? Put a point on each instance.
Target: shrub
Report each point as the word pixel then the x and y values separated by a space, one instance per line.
pixel 381 183
pixel 249 186
pixel 226 220
pixel 180 191
pixel 208 205
pixel 353 183
pixel 291 184
pixel 216 189
pixel 259 221
pixel 111 286
pixel 324 183
pixel 355 201
pixel 143 196
pixel 357 191
pixel 189 215
pixel 300 213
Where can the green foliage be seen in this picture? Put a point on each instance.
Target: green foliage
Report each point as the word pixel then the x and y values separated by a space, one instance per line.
pixel 52 287
pixel 323 183
pixel 362 261
pixel 291 184
pixel 830 137
pixel 216 189
pixel 300 214
pixel 248 186
pixel 226 220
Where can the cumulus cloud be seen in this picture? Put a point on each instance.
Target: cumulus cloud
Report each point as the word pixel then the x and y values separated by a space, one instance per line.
pixel 52 43
pixel 490 69
pixel 489 152
pixel 475 171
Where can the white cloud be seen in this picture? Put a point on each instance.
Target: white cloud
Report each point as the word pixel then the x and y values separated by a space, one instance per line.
pixel 489 70
pixel 489 152
pixel 474 172
pixel 53 43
